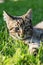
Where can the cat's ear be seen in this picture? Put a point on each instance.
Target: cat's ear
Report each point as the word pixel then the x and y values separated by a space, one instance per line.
pixel 28 15
pixel 8 19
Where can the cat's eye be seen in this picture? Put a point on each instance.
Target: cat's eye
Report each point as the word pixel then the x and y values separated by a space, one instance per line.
pixel 16 29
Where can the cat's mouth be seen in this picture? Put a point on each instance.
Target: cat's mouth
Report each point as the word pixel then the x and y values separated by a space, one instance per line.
pixel 23 37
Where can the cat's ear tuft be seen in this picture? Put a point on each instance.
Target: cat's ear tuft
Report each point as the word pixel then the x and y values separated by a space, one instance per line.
pixel 8 19
pixel 6 16
pixel 29 14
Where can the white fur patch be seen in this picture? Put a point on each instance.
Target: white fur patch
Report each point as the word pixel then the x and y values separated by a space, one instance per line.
pixel 5 16
pixel 39 25
pixel 32 46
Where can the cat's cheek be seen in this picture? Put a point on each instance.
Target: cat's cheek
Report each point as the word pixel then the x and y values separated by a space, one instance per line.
pixel 11 32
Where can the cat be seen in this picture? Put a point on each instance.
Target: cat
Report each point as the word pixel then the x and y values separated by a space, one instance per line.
pixel 21 28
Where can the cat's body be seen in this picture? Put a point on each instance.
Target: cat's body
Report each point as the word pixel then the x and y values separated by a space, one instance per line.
pixel 37 34
pixel 38 31
pixel 20 27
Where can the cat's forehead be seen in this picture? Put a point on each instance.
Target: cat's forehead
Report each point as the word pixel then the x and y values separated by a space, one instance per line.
pixel 18 20
pixel 15 22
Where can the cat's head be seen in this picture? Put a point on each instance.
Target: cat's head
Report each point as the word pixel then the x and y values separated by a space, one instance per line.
pixel 19 27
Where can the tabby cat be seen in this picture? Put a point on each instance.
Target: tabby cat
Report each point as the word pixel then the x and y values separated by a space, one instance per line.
pixel 20 27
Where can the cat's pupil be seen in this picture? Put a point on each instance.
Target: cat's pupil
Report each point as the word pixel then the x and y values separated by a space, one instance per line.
pixel 16 29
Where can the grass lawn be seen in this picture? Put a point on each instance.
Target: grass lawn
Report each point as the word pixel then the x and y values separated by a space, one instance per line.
pixel 14 52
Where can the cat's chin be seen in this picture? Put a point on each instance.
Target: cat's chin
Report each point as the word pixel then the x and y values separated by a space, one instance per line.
pixel 16 37
pixel 20 38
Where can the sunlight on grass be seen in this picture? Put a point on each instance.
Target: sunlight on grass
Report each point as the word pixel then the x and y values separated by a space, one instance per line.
pixel 15 52
pixel 1 1
pixel 15 0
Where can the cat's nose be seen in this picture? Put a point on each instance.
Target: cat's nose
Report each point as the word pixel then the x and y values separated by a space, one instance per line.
pixel 20 32
pixel 24 32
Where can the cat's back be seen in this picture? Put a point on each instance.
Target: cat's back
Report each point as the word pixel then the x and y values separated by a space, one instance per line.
pixel 39 25
pixel 38 30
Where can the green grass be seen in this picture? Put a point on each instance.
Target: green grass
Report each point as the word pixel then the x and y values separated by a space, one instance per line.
pixel 14 52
